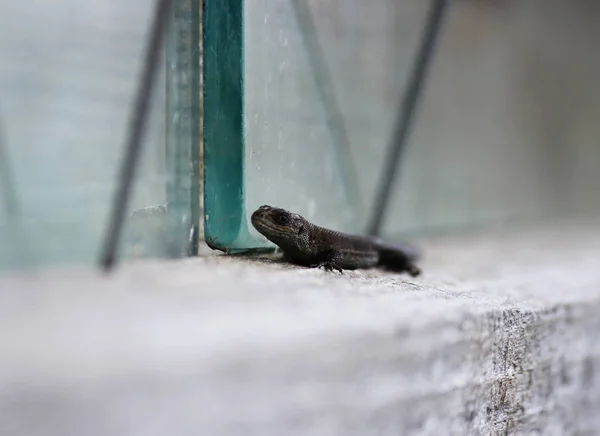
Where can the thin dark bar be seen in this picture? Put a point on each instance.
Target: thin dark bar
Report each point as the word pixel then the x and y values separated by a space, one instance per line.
pixel 333 114
pixel 12 208
pixel 9 194
pixel 406 111
pixel 136 130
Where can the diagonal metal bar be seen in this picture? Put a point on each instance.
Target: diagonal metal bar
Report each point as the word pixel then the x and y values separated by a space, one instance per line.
pixel 407 110
pixel 12 208
pixel 333 113
pixel 9 194
pixel 135 134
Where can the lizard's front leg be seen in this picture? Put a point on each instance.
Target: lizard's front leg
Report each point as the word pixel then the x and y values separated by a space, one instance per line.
pixel 330 260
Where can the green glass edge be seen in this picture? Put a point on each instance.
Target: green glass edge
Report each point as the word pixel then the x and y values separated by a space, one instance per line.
pixel 225 221
pixel 183 129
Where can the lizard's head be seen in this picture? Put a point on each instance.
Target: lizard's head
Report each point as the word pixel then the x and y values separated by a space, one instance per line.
pixel 277 224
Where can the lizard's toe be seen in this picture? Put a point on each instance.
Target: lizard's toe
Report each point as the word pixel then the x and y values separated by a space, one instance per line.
pixel 413 271
pixel 328 266
pixel 324 265
pixel 333 267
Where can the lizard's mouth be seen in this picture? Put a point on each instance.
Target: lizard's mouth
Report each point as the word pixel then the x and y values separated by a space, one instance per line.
pixel 257 215
pixel 260 213
pixel 259 219
pixel 263 222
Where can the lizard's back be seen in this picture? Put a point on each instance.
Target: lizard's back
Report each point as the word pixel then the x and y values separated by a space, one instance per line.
pixel 360 251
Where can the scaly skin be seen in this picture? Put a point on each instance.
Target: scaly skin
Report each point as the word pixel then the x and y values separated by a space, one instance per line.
pixel 309 245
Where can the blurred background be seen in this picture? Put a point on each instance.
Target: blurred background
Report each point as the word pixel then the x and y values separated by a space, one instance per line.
pixel 506 128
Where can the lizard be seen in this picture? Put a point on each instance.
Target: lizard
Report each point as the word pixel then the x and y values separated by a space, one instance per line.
pixel 306 244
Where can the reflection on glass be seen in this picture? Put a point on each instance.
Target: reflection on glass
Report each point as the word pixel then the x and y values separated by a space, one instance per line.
pixel 68 73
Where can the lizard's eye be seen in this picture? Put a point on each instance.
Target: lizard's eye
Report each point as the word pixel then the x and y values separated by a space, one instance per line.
pixel 282 218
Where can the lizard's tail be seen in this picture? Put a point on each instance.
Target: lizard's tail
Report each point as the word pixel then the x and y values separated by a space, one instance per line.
pixel 398 257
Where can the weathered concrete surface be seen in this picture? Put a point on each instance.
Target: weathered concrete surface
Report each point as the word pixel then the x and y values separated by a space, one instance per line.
pixel 499 338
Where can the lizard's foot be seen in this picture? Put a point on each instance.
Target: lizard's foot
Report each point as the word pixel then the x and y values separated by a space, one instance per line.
pixel 329 260
pixel 328 266
pixel 413 271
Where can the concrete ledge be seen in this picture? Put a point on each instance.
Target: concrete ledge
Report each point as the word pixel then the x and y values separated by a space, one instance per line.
pixel 499 337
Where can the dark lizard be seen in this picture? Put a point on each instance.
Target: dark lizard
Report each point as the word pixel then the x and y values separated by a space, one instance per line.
pixel 307 244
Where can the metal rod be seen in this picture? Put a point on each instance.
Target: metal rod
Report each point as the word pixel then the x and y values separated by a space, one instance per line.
pixel 12 208
pixel 9 195
pixel 406 111
pixel 333 113
pixel 135 134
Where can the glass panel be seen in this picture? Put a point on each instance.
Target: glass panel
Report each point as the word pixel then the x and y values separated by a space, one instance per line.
pixel 68 76
pixel 183 128
pixel 299 125
pixel 505 129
